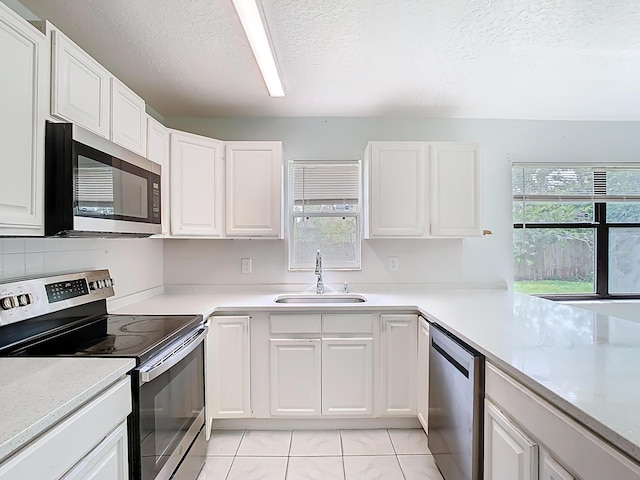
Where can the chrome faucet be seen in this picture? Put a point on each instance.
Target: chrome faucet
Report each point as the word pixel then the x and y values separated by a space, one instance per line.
pixel 320 284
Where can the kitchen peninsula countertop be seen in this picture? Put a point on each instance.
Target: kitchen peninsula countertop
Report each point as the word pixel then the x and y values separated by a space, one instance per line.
pixel 585 363
pixel 37 393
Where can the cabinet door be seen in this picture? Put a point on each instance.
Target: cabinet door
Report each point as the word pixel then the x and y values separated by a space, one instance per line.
pixel 23 96
pixel 508 453
pixel 398 355
pixel 552 470
pixel 80 87
pixel 347 376
pixel 128 118
pixel 422 383
pixel 396 190
pixel 456 189
pixel 107 461
pixel 253 189
pixel 295 377
pixel 228 368
pixel 158 151
pixel 197 185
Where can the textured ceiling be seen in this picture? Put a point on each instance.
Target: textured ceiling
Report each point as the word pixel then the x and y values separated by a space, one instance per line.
pixel 529 59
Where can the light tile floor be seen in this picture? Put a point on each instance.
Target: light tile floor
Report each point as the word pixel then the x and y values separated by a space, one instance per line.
pixel 319 455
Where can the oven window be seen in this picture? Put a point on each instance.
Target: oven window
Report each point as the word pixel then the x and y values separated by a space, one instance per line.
pixel 169 405
pixel 105 191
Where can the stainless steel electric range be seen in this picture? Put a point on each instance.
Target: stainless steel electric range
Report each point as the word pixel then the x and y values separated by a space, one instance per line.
pixel 67 315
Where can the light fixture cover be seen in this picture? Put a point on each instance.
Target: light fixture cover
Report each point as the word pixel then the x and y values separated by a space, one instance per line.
pixel 256 32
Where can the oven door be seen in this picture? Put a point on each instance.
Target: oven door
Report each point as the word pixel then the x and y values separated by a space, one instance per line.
pixel 170 407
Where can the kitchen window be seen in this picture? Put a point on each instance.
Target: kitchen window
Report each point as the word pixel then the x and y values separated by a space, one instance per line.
pixel 324 214
pixel 576 230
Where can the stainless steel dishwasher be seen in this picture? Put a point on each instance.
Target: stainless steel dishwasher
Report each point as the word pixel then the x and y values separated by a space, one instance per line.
pixel 456 392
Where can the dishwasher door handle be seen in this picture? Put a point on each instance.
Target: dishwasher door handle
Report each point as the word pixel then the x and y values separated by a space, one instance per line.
pixel 449 358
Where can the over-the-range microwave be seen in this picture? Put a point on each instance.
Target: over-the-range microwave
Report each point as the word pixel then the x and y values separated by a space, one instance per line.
pixel 95 188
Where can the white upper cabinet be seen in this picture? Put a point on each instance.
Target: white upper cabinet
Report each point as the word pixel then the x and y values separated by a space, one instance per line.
pixel 24 96
pixel 456 189
pixel 253 189
pixel 128 118
pixel 158 151
pixel 395 190
pixel 423 190
pixel 197 185
pixel 80 86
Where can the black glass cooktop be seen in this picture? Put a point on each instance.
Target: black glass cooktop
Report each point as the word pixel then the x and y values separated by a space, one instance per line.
pixel 135 336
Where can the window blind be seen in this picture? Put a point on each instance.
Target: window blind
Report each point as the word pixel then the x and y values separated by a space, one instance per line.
pixel 325 183
pixel 576 183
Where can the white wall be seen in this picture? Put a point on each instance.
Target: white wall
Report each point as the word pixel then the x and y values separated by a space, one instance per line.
pixel 135 264
pixel 486 259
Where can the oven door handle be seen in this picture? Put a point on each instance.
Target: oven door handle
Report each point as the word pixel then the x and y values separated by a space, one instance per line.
pixel 157 368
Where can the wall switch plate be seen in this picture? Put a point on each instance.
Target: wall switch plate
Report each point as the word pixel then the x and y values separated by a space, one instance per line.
pixel 245 265
pixel 393 264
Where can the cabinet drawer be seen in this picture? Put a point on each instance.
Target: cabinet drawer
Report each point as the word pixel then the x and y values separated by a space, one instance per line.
pixel 307 323
pixel 347 323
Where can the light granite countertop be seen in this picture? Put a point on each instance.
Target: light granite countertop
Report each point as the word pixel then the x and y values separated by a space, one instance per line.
pixel 585 363
pixel 37 393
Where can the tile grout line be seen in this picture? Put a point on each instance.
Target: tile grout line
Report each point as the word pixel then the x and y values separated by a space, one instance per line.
pixel 286 469
pixel 344 468
pixel 396 454
pixel 235 454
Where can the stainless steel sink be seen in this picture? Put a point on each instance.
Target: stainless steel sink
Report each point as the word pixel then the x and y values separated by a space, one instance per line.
pixel 320 298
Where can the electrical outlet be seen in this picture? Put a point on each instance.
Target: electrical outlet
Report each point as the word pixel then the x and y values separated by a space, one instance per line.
pixel 393 264
pixel 245 265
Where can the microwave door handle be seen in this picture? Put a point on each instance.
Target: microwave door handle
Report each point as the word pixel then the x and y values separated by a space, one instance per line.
pixel 154 371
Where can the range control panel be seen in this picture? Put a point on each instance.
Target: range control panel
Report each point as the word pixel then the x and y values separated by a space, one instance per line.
pixel 32 297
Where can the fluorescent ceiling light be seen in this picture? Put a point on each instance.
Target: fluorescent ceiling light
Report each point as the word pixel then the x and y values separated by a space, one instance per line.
pixel 256 33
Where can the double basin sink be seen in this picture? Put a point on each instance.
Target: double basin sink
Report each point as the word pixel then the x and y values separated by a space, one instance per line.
pixel 320 298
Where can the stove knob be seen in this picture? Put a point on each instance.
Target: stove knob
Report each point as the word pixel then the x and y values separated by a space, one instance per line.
pixel 112 282
pixel 107 282
pixel 24 299
pixel 93 285
pixel 7 303
pixel 100 283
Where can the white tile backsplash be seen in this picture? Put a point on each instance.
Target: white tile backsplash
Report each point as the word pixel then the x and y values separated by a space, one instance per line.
pixel 13 265
pixel 13 245
pixel 135 264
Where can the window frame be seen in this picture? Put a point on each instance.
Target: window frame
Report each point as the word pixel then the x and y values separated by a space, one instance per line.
pixel 328 265
pixel 601 228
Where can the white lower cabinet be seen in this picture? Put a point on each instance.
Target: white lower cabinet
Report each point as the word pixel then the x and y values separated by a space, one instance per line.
pixel 398 361
pixel 552 470
pixel 509 454
pixel 295 376
pixel 422 382
pixel 347 376
pixel 108 461
pixel 228 368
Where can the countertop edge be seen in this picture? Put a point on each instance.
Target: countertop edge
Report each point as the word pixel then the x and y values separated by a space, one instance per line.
pixel 44 423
